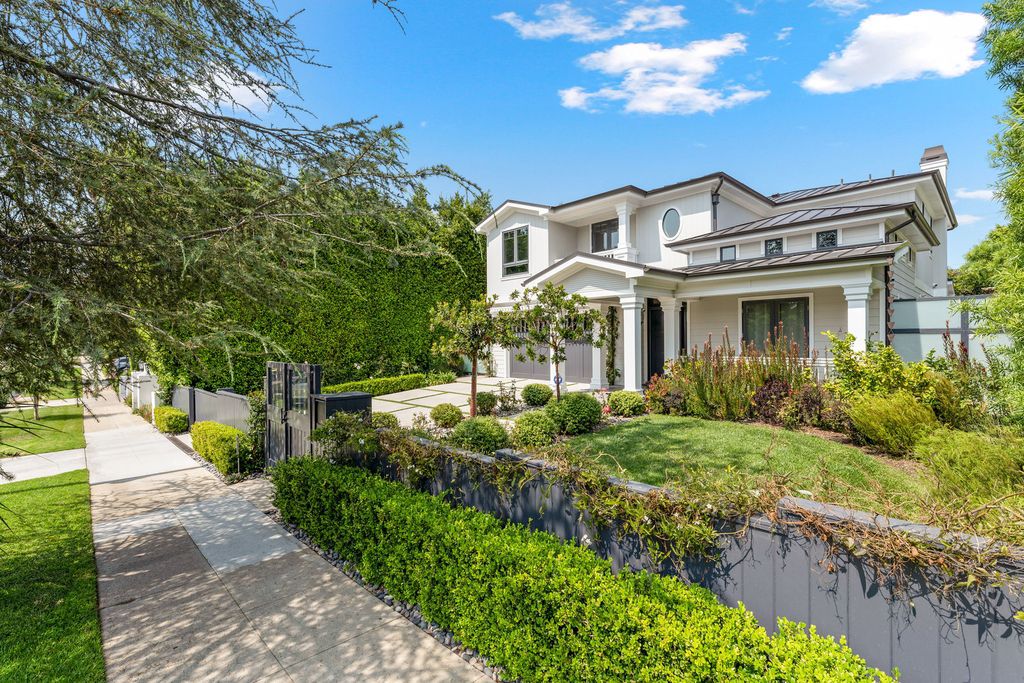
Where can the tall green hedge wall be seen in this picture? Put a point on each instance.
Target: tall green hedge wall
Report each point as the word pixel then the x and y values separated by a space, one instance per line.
pixel 370 320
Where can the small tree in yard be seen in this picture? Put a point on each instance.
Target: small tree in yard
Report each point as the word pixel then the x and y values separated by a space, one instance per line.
pixel 550 319
pixel 469 330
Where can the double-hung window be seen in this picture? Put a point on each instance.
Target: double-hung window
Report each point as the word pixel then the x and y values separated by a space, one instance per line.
pixel 515 245
pixel 765 319
pixel 604 236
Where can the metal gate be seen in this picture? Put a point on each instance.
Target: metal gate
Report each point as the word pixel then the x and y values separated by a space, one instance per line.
pixel 289 389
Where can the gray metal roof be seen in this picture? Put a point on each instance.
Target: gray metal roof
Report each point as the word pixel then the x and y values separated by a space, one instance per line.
pixel 800 217
pixel 865 251
pixel 795 195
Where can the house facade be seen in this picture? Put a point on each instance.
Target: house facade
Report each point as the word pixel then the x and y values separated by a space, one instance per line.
pixel 711 256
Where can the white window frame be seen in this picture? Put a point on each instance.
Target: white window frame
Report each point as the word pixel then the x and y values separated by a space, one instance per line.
pixel 515 248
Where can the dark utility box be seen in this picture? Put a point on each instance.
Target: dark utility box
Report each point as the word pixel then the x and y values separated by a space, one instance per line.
pixel 346 401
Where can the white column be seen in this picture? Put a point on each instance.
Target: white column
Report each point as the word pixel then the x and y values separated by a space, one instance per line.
pixel 670 312
pixel 625 250
pixel 632 342
pixel 857 298
pixel 597 359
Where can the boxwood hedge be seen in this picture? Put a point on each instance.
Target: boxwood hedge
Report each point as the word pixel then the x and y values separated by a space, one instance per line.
pixel 224 446
pixel 170 420
pixel 542 609
pixel 380 385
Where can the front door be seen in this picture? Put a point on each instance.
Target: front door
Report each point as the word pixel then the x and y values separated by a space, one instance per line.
pixel 655 338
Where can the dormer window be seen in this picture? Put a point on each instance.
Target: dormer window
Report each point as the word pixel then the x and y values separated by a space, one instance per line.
pixel 827 239
pixel 773 247
pixel 727 253
pixel 515 256
pixel 604 236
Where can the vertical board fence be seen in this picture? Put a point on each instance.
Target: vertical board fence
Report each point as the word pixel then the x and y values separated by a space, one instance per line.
pixel 223 406
pixel 776 571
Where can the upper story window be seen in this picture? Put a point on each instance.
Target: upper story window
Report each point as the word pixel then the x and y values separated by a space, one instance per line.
pixel 515 245
pixel 670 223
pixel 826 239
pixel 727 253
pixel 604 236
pixel 773 247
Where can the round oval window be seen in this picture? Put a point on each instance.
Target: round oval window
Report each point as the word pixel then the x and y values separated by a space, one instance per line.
pixel 670 223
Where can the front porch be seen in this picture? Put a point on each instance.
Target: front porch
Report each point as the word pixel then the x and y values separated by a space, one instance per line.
pixel 662 313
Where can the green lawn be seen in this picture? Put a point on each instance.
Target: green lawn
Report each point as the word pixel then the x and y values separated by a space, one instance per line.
pixel 49 620
pixel 658 448
pixel 59 428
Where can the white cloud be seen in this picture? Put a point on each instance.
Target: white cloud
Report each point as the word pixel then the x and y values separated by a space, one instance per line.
pixel 561 19
pixel 984 195
pixel 784 33
pixel 843 7
pixel 745 11
pixel 886 48
pixel 968 218
pixel 660 80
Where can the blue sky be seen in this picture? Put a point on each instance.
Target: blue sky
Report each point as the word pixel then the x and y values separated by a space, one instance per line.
pixel 548 102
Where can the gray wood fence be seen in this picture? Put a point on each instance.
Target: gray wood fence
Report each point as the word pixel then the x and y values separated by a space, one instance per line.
pixel 971 635
pixel 223 406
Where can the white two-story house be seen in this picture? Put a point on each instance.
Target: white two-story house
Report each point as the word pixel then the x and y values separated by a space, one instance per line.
pixel 689 261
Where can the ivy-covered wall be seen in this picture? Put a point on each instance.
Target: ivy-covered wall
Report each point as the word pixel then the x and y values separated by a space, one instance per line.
pixel 372 318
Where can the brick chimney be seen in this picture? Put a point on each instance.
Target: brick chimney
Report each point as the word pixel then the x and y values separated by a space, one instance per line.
pixel 935 159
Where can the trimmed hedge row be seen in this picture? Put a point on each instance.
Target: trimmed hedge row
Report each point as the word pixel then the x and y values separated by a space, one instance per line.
pixel 170 420
pixel 381 385
pixel 227 448
pixel 542 609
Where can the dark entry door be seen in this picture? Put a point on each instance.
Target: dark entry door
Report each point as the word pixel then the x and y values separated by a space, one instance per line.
pixel 655 338
pixel 289 389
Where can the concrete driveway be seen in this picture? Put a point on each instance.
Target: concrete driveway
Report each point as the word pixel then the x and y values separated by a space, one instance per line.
pixel 407 404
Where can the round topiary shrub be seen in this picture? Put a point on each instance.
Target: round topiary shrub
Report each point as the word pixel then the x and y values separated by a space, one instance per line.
pixel 626 403
pixel 486 402
pixel 575 413
pixel 537 395
pixel 446 415
pixel 480 434
pixel 534 429
pixel 384 421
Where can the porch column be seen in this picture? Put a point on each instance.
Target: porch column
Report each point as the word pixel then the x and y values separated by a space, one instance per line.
pixel 670 311
pixel 597 359
pixel 632 342
pixel 857 298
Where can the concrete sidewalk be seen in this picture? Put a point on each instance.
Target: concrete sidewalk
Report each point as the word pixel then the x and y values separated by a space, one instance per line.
pixel 197 583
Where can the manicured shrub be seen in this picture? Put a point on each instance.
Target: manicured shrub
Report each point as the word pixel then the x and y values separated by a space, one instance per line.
pixel 534 429
pixel 537 395
pixel 972 464
pixel 626 403
pixel 170 420
pixel 541 609
pixel 226 447
pixel 480 434
pixel 576 413
pixel 892 423
pixel 343 434
pixel 769 400
pixel 486 402
pixel 446 415
pixel 384 421
pixel 440 377
pixel 380 385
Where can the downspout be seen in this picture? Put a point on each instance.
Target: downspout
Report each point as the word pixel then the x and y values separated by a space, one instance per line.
pixel 714 204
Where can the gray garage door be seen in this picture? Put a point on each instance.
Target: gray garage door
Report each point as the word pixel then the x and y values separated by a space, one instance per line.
pixel 528 368
pixel 579 362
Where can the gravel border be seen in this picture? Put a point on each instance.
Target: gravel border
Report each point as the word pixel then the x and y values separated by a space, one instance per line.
pixel 208 466
pixel 410 612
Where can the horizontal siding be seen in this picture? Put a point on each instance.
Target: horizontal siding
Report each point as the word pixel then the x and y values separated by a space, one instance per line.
pixel 593 280
pixel 905 281
pixel 705 255
pixel 801 242
pixel 750 250
pixel 861 235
